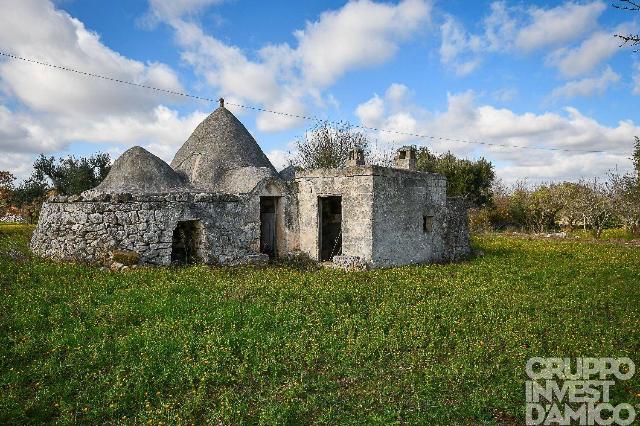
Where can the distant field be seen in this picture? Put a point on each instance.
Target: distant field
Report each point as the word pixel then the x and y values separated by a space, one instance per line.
pixel 440 344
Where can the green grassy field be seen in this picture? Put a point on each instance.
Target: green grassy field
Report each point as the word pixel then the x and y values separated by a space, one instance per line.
pixel 439 344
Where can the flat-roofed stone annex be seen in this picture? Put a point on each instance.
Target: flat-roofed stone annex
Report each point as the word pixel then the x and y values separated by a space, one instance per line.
pixel 221 201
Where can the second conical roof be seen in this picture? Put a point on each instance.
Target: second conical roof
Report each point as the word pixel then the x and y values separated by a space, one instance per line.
pixel 218 145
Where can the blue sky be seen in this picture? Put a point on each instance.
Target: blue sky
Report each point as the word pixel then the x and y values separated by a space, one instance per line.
pixel 537 74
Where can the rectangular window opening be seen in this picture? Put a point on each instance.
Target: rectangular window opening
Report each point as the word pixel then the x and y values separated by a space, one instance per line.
pixel 427 224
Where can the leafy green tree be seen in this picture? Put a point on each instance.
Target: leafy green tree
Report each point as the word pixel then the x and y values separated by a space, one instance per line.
pixel 466 178
pixel 29 195
pixel 72 175
pixel 597 201
pixel 626 190
pixel 327 145
pixel 544 204
pixel 67 176
pixel 571 194
pixel 31 189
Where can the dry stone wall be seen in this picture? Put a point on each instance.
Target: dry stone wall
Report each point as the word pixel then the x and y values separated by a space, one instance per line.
pixel 90 228
pixel 456 236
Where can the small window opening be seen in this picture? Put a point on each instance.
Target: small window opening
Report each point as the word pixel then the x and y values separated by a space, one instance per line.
pixel 427 224
pixel 403 155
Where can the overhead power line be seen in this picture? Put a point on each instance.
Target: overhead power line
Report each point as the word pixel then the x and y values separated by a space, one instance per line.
pixel 293 115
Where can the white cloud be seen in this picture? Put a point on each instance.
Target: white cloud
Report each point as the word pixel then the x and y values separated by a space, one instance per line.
pixel 454 39
pixel 360 34
pixel 595 49
pixel 505 95
pixel 561 24
pixel 499 27
pixel 279 158
pixel 44 110
pixel 23 134
pixel 163 131
pixel 513 29
pixel 466 120
pixel 35 29
pixel 455 43
pixel 294 108
pixel 371 112
pixel 18 164
pixel 587 86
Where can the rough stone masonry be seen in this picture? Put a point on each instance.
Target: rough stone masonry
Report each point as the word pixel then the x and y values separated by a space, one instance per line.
pixel 222 202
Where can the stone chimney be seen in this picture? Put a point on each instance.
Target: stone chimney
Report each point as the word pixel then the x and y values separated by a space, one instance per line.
pixel 221 100
pixel 406 158
pixel 356 157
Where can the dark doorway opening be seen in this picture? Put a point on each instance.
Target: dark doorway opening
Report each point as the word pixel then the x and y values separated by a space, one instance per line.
pixel 187 243
pixel 269 225
pixel 330 214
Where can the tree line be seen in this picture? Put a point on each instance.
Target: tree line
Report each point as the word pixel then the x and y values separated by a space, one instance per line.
pixel 610 201
pixel 66 176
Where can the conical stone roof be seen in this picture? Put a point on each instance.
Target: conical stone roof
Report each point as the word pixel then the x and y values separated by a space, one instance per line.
pixel 217 147
pixel 138 171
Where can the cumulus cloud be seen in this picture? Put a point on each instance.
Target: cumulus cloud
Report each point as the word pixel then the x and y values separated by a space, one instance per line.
pixel 18 164
pixel 19 133
pixel 162 131
pixel 587 86
pixel 35 29
pixel 279 158
pixel 561 24
pixel 371 112
pixel 456 43
pixel 360 34
pixel 466 120
pixel 462 50
pixel 517 30
pixel 44 110
pixel 594 50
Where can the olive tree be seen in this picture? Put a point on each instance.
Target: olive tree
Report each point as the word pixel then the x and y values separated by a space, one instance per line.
pixel 327 145
pixel 597 202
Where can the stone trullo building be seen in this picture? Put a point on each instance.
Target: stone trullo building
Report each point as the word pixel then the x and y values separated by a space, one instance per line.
pixel 221 201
